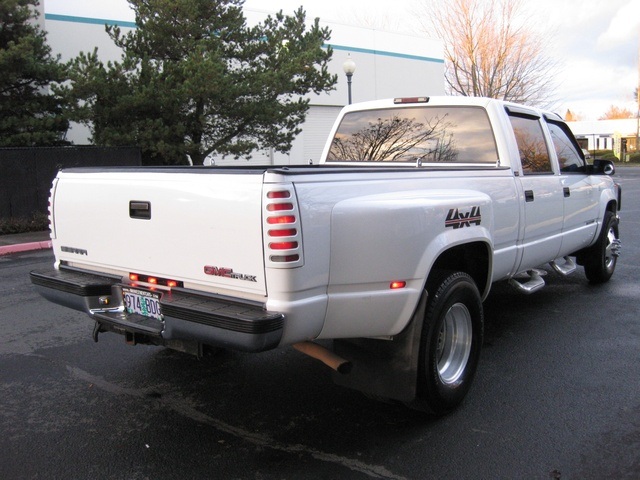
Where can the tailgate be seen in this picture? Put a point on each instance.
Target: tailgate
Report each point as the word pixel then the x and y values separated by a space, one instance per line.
pixel 202 228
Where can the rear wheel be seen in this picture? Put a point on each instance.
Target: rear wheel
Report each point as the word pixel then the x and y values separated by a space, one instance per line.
pixel 450 343
pixel 600 260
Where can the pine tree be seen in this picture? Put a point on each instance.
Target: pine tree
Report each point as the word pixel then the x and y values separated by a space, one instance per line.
pixel 30 115
pixel 194 79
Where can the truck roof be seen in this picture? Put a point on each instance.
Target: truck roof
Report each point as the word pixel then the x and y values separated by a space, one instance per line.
pixel 443 101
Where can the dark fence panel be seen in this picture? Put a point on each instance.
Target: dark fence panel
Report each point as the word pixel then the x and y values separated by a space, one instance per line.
pixel 26 173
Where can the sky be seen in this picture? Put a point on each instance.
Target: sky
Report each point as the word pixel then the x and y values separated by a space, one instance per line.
pixel 594 44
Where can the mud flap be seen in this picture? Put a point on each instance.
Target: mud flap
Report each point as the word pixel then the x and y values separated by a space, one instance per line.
pixel 384 368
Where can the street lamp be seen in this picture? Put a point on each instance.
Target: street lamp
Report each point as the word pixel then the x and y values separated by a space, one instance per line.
pixel 349 66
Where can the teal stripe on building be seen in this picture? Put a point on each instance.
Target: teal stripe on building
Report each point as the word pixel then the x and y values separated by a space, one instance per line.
pixel 101 21
pixel 86 20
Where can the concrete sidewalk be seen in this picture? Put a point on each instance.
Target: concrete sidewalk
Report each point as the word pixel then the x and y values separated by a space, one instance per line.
pixel 24 242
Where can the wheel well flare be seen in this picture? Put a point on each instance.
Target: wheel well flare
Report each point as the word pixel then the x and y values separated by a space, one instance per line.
pixel 472 258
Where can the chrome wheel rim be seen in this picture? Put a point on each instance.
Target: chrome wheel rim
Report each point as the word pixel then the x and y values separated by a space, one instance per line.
pixel 611 250
pixel 454 343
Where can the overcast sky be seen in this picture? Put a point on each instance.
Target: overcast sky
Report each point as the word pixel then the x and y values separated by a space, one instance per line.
pixel 594 43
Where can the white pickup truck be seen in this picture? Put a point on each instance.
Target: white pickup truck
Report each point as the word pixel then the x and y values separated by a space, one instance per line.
pixel 388 247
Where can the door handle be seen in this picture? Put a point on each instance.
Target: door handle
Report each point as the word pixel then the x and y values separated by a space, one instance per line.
pixel 567 191
pixel 528 196
pixel 140 210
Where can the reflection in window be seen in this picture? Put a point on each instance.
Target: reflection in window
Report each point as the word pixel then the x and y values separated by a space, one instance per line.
pixel 427 134
pixel 568 156
pixel 534 155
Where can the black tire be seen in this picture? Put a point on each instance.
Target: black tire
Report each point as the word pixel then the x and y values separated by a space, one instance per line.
pixel 600 259
pixel 451 342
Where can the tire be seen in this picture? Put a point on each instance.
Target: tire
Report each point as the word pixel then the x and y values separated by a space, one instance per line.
pixel 450 343
pixel 600 259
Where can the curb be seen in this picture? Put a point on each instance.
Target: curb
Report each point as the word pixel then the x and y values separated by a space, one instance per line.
pixel 24 247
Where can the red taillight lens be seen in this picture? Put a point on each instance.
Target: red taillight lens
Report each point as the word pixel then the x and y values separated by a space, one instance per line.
pixel 279 194
pixel 277 207
pixel 133 277
pixel 285 258
pixel 287 232
pixel 397 284
pixel 283 245
pixel 281 219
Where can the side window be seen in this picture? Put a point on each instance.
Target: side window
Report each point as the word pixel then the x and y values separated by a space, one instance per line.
pixel 568 157
pixel 531 144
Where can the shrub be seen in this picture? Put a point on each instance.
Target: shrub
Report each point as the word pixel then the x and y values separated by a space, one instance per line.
pixel 38 222
pixel 606 155
pixel 635 157
pixel 600 153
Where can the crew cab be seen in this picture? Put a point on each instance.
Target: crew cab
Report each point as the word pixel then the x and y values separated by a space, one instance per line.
pixel 375 260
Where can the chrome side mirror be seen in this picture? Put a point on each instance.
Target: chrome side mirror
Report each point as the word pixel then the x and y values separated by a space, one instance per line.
pixel 604 167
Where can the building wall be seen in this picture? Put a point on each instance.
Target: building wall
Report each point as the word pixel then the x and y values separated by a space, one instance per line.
pixel 606 134
pixel 387 65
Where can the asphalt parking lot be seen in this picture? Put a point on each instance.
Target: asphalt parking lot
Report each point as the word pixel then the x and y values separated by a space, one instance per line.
pixel 557 395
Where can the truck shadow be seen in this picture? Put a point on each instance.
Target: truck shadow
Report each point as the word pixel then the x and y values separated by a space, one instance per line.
pixel 279 409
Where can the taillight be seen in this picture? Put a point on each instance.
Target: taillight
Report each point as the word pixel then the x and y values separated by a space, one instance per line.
pixel 282 235
pixel 164 282
pixel 279 194
pixel 278 207
pixel 281 219
pixel 287 232
pixel 283 245
pixel 411 100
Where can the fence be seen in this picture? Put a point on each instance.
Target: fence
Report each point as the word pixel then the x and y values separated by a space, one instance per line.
pixel 26 173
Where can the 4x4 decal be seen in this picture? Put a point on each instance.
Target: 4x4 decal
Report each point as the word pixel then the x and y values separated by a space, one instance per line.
pixel 456 219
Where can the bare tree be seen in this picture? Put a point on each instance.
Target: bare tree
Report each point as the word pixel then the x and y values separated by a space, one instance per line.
pixel 490 51
pixel 616 113
pixel 396 139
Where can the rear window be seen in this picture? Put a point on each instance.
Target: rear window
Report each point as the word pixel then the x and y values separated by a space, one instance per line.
pixel 417 134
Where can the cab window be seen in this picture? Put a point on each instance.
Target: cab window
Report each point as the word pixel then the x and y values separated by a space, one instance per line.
pixel 534 154
pixel 416 134
pixel 569 158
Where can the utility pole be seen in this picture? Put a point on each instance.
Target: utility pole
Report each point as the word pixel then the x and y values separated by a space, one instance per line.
pixel 638 100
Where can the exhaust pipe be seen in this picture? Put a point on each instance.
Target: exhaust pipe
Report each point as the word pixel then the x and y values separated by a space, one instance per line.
pixel 325 355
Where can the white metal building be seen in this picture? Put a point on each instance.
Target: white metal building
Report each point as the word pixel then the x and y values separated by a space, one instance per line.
pixel 387 65
pixel 606 134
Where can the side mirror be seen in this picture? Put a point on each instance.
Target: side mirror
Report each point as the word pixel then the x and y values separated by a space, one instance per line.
pixel 603 167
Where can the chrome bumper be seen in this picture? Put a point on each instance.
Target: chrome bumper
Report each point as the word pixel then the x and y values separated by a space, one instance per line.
pixel 186 315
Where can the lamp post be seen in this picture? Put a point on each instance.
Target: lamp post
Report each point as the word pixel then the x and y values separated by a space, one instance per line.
pixel 349 66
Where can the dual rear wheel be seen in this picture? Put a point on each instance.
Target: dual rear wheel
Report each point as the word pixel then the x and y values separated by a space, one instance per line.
pixel 451 342
pixel 453 327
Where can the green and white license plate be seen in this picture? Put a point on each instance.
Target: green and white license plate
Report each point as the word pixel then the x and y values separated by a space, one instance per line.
pixel 142 302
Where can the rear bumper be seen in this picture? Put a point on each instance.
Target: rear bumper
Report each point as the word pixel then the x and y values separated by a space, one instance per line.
pixel 186 315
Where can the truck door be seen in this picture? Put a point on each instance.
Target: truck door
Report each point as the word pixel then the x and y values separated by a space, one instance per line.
pixel 581 207
pixel 542 191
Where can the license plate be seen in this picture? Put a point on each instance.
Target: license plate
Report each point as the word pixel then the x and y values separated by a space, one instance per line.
pixel 142 302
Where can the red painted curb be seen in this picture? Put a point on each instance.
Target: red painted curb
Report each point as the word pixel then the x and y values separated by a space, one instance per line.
pixel 24 247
